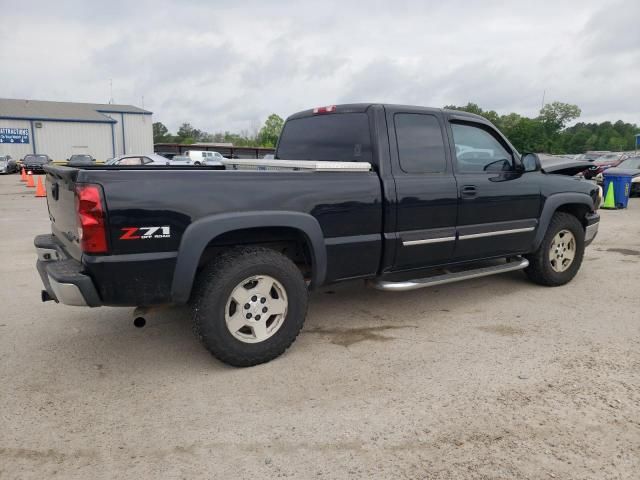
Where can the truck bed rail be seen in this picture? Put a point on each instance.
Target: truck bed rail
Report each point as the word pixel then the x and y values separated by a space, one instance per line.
pixel 296 165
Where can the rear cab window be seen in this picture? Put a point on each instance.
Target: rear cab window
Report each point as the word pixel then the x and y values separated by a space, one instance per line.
pixel 340 137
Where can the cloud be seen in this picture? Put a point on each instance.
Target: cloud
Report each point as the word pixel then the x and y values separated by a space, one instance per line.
pixel 227 65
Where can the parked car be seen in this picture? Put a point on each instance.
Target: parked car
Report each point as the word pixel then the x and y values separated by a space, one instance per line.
pixel 630 166
pixel 139 159
pixel 564 165
pixel 590 156
pixel 79 160
pixel 181 160
pixel 608 160
pixel 203 157
pixel 35 163
pixel 185 160
pixel 8 164
pixel 362 191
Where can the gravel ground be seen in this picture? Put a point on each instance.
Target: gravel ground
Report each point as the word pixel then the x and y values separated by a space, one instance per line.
pixel 490 378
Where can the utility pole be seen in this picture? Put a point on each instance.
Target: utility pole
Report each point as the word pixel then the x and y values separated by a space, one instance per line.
pixel 544 92
pixel 110 90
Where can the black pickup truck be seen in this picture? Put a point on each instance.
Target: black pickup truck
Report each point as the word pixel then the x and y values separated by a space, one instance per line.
pixel 401 196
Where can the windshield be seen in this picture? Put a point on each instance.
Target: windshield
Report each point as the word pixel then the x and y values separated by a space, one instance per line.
pixel 631 163
pixel 342 137
pixel 36 159
pixel 80 158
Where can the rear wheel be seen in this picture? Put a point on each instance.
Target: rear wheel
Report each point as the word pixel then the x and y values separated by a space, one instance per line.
pixel 249 305
pixel 559 256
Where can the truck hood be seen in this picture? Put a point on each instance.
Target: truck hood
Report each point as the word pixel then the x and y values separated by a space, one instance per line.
pixel 565 167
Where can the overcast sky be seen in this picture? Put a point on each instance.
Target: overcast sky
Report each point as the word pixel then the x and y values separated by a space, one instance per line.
pixel 225 65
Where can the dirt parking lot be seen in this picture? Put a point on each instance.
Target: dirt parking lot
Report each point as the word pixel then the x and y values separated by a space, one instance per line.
pixel 491 378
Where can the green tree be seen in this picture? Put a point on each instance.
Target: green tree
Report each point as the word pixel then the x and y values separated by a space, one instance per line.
pixel 187 134
pixel 269 133
pixel 556 115
pixel 160 133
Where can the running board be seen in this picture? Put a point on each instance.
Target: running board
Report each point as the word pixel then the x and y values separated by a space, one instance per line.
pixel 517 263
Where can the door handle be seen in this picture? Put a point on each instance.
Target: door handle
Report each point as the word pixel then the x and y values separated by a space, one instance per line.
pixel 468 191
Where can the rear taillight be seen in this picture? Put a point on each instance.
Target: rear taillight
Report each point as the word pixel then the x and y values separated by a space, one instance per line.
pixel 91 219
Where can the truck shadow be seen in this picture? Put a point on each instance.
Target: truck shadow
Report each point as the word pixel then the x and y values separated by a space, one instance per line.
pixel 343 314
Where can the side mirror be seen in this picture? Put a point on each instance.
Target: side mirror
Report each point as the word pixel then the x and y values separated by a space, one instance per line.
pixel 530 162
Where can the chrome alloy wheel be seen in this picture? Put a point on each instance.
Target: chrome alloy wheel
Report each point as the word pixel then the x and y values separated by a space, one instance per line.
pixel 256 309
pixel 562 251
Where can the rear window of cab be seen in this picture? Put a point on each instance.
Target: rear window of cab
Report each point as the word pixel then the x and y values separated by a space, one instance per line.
pixel 340 137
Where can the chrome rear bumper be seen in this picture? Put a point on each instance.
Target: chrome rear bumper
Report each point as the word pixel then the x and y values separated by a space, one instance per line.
pixel 63 277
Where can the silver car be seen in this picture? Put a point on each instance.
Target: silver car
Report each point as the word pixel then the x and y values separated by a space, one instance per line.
pixel 139 159
pixel 8 164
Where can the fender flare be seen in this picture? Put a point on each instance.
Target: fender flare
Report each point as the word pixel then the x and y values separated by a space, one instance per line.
pixel 551 205
pixel 198 235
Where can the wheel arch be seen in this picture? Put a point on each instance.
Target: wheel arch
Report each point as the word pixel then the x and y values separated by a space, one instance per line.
pixel 201 233
pixel 576 204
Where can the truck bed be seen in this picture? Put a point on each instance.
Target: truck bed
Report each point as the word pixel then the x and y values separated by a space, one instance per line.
pixel 347 206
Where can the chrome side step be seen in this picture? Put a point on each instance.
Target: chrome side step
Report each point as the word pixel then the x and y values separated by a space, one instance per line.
pixel 512 264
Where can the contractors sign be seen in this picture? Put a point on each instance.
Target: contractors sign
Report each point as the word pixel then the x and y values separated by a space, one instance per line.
pixel 14 135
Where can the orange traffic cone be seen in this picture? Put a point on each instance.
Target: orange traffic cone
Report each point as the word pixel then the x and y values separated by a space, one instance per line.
pixel 30 180
pixel 40 191
pixel 23 175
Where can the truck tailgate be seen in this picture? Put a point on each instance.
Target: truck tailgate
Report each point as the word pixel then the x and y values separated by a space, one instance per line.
pixel 60 185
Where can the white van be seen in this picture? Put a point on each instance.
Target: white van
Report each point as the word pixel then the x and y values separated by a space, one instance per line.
pixel 202 157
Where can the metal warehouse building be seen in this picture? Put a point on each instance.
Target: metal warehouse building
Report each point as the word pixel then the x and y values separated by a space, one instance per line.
pixel 61 129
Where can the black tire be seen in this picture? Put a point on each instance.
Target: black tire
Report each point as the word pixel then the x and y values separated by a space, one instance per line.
pixel 540 269
pixel 213 288
pixel 197 164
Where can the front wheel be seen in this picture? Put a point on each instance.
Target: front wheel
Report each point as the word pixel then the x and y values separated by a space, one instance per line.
pixel 249 305
pixel 559 256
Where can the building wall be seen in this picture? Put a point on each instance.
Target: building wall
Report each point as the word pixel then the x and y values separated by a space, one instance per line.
pixel 133 133
pixel 138 133
pixel 117 132
pixel 16 150
pixel 60 140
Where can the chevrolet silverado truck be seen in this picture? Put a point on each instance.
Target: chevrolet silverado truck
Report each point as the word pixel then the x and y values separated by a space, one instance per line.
pixel 403 197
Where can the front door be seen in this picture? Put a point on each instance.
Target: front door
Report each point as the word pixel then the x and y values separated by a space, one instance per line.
pixel 426 189
pixel 498 205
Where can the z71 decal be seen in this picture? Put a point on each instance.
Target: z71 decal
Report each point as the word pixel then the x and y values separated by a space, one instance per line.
pixel 141 233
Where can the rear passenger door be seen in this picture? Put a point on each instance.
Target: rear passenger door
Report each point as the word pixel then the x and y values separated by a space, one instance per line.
pixel 426 190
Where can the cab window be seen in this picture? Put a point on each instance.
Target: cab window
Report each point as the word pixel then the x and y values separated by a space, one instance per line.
pixel 478 150
pixel 420 143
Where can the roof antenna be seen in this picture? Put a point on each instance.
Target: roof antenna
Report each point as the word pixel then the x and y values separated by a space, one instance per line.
pixel 111 91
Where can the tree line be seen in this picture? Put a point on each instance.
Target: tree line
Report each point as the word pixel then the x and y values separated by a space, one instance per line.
pixel 547 132
pixel 266 136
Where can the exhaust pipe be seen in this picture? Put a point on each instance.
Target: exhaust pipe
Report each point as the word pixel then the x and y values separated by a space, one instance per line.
pixel 139 322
